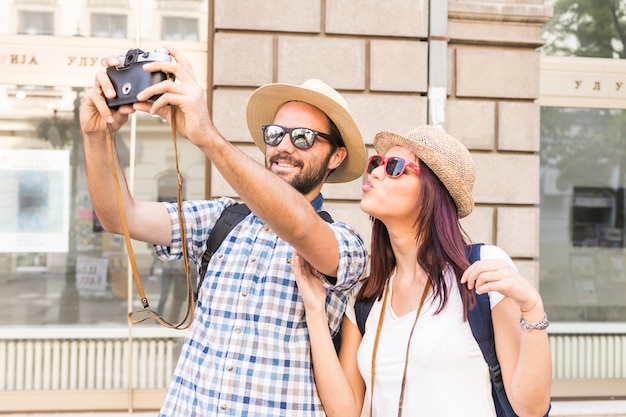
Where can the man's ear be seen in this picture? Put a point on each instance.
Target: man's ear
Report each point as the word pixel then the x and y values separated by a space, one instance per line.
pixel 337 158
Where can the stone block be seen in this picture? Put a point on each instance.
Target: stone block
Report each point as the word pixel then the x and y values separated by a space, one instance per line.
pixel 407 18
pixel 275 15
pixel 479 225
pixel 494 32
pixel 231 69
pixel 398 66
pixel 397 113
pixel 518 126
pixel 497 73
pixel 518 231
pixel 339 62
pixel 472 122
pixel 506 179
pixel 229 113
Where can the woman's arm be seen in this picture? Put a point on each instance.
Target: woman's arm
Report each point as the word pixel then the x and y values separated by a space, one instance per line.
pixel 338 380
pixel 524 356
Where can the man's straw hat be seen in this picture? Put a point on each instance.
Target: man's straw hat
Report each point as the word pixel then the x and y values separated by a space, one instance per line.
pixel 266 100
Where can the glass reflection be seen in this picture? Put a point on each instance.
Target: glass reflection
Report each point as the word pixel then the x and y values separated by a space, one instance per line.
pixel 583 212
pixel 117 19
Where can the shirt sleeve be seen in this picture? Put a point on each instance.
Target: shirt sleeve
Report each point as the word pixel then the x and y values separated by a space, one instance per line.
pixel 350 312
pixel 199 218
pixel 352 257
pixel 352 262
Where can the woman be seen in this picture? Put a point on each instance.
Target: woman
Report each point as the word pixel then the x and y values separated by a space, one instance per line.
pixel 418 356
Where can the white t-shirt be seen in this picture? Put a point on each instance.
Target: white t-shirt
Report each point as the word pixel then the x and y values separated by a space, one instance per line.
pixel 446 375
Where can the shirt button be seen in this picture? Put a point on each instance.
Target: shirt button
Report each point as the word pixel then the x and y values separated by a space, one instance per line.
pixel 220 256
pixel 253 259
pixel 266 228
pixel 223 406
pixel 230 368
pixel 244 294
pixel 237 330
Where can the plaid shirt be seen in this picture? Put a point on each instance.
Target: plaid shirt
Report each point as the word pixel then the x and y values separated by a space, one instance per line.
pixel 247 351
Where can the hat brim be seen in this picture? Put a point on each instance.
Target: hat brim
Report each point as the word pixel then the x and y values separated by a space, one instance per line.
pixel 437 162
pixel 265 102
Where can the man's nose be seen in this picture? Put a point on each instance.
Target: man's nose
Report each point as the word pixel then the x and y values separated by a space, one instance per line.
pixel 285 144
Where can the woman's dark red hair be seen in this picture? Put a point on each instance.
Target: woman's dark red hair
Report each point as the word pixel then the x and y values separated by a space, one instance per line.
pixel 440 239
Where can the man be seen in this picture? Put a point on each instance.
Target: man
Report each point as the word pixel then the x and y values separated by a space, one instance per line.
pixel 247 351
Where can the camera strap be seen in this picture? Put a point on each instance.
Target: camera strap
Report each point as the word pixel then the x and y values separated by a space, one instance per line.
pixel 147 312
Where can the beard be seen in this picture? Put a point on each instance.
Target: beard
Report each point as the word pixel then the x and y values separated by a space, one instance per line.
pixel 308 178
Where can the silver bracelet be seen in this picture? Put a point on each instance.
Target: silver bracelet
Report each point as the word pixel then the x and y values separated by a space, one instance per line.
pixel 540 325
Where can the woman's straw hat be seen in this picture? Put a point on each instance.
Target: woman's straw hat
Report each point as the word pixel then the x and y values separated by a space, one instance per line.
pixel 448 158
pixel 266 100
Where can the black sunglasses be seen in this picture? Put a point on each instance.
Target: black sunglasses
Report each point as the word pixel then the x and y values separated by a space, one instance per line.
pixel 394 165
pixel 301 137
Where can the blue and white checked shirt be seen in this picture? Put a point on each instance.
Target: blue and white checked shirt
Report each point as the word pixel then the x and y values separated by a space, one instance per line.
pixel 247 351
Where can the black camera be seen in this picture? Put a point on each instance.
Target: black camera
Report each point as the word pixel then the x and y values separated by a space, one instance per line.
pixel 129 78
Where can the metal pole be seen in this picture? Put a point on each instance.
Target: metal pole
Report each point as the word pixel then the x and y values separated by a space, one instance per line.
pixel 69 306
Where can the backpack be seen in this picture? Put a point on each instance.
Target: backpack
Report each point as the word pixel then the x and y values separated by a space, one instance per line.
pixel 227 221
pixel 479 319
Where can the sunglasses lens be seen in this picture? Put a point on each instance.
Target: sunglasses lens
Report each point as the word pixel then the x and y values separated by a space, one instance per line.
pixel 395 167
pixel 374 163
pixel 302 138
pixel 272 134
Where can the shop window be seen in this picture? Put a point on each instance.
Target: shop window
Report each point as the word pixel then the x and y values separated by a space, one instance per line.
pixel 167 188
pixel 108 25
pixel 583 210
pixel 180 29
pixel 35 23
pixel 598 217
pixel 33 202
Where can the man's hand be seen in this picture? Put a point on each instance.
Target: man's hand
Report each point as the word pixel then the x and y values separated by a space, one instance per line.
pixel 192 115
pixel 95 114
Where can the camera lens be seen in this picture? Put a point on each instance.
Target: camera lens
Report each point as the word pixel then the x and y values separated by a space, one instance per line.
pixel 126 88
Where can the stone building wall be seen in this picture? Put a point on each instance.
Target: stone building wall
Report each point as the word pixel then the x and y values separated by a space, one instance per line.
pixel 377 55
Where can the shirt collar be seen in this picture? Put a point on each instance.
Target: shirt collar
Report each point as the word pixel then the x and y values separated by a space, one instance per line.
pixel 317 202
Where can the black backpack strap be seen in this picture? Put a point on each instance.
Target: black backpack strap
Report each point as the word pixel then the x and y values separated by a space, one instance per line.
pixel 229 218
pixel 362 309
pixel 480 322
pixel 326 216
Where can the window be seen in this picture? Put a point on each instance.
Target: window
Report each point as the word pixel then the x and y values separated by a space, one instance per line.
pixel 583 211
pixel 167 188
pixel 180 29
pixel 108 26
pixel 35 23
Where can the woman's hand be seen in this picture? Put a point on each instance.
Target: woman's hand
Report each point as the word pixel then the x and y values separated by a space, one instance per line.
pixel 498 275
pixel 310 286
